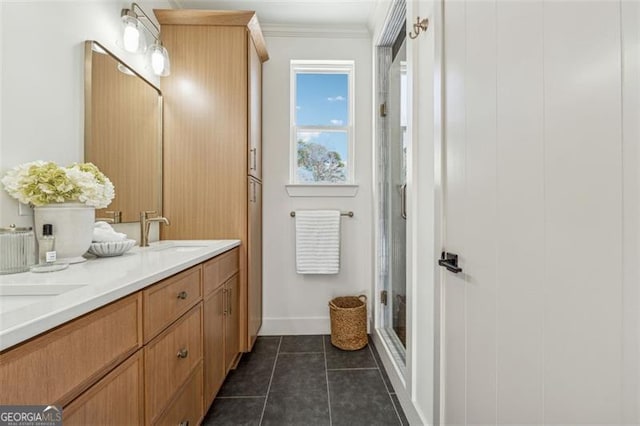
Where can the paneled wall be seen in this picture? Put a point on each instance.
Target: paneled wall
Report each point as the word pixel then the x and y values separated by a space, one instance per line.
pixel 541 203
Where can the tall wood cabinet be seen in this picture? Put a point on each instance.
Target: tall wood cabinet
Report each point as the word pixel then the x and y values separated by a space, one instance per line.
pixel 212 172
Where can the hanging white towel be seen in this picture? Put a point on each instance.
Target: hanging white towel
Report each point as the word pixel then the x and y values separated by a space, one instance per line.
pixel 318 241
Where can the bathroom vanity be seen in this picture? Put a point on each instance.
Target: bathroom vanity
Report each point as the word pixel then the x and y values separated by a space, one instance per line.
pixel 144 338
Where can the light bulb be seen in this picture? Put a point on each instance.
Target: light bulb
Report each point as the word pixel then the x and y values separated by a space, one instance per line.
pixel 157 62
pixel 159 59
pixel 131 38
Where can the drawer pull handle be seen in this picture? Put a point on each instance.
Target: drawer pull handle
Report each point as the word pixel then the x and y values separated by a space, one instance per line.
pixel 184 423
pixel 183 353
pixel 182 295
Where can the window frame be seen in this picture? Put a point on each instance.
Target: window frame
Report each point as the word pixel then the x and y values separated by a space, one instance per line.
pixel 321 67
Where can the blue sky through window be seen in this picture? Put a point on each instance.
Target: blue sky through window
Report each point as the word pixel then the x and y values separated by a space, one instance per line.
pixel 322 100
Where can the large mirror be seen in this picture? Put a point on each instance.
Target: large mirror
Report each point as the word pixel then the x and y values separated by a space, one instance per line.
pixel 123 133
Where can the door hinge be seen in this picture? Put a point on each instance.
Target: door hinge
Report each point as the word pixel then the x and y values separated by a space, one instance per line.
pixel 383 109
pixel 383 297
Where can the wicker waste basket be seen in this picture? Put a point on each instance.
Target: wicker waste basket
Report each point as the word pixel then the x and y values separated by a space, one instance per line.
pixel 349 322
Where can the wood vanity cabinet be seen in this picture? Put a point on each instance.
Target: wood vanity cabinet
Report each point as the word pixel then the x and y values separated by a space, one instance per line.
pixel 155 357
pixel 231 323
pixel 55 367
pixel 168 300
pixel 255 257
pixel 214 353
pixel 213 140
pixel 221 321
pixel 117 399
pixel 169 359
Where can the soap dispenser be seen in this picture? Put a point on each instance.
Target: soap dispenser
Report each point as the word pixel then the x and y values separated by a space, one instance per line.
pixel 46 245
pixel 47 252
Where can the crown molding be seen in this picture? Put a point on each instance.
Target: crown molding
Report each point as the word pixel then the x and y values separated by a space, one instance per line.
pixel 315 31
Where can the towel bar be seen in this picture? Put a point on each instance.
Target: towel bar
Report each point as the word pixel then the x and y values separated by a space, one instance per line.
pixel 349 213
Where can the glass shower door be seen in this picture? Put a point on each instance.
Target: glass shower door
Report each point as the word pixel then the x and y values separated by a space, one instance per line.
pixel 396 191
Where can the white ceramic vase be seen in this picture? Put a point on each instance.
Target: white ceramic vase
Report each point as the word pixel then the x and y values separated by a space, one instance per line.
pixel 72 227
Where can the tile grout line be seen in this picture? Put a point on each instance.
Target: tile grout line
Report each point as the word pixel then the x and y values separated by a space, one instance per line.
pixel 273 371
pixel 326 374
pixel 393 404
pixel 240 397
pixel 300 353
pixel 355 368
pixel 378 368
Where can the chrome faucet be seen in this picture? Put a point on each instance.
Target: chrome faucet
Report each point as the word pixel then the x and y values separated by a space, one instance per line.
pixel 145 224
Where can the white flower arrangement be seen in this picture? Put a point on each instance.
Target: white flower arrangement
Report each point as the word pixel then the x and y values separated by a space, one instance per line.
pixel 39 183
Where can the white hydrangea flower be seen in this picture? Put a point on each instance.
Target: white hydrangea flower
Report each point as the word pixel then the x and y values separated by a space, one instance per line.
pixel 39 183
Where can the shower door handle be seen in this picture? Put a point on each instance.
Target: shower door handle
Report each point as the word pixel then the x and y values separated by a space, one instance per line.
pixel 450 261
pixel 403 201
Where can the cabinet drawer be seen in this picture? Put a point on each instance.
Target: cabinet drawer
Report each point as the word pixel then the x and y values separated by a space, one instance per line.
pixel 167 300
pixel 219 269
pixel 187 408
pixel 169 360
pixel 117 399
pixel 57 366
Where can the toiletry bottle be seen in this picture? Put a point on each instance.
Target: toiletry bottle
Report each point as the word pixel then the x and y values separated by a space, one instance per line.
pixel 46 245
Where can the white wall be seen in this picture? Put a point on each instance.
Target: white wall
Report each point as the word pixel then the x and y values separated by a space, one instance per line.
pixel 297 304
pixel 42 81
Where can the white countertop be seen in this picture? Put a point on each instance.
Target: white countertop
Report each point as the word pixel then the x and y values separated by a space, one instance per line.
pixel 32 303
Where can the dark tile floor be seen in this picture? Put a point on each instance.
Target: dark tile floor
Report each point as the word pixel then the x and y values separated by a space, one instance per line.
pixel 305 381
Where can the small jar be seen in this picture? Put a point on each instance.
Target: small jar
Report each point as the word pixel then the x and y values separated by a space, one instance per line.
pixel 17 249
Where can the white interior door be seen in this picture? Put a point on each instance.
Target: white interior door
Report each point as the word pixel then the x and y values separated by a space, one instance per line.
pixel 533 325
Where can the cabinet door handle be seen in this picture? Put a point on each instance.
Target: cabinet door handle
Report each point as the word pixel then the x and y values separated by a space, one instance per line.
pixel 403 201
pixel 254 158
pixel 183 353
pixel 224 302
pixel 230 304
pixel 254 192
pixel 183 295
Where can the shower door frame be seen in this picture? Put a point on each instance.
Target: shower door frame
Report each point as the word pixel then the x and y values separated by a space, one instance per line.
pixel 383 51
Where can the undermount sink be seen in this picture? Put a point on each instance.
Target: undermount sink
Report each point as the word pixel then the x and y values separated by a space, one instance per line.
pixel 14 296
pixel 37 289
pixel 180 248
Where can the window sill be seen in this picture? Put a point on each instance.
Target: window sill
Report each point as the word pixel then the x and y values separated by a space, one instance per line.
pixel 319 190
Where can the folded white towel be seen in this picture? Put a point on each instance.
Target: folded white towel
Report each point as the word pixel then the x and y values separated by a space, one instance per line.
pixel 103 232
pixel 318 241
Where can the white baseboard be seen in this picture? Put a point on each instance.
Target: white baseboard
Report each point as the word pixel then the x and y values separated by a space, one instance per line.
pixel 295 326
pixel 398 383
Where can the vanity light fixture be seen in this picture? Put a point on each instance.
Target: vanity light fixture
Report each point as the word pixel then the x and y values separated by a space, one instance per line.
pixel 134 21
pixel 133 39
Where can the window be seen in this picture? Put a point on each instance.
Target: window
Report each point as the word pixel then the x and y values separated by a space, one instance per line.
pixel 321 122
